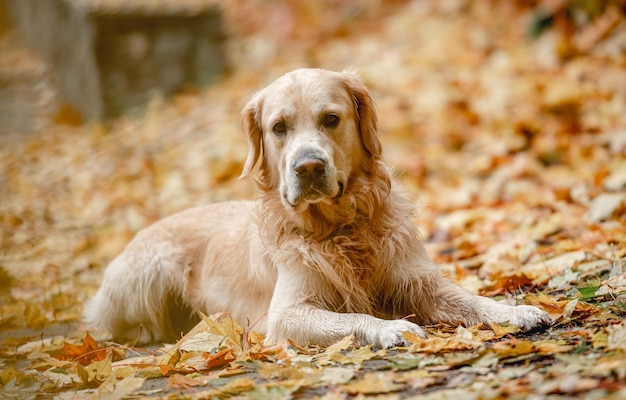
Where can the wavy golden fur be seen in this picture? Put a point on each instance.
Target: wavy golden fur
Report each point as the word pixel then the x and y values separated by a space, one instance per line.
pixel 329 249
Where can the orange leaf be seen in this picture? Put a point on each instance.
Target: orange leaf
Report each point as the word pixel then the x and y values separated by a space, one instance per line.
pixel 219 359
pixel 166 369
pixel 508 283
pixel 84 353
pixel 279 351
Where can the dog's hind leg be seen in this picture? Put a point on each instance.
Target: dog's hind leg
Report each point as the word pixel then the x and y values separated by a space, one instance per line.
pixel 142 294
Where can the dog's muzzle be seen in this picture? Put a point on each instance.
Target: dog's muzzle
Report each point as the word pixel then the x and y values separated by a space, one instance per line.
pixel 311 173
pixel 312 178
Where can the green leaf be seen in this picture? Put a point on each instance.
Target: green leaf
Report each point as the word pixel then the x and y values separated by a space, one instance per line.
pixel 587 293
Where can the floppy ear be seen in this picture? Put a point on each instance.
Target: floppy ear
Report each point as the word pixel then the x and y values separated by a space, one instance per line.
pixel 366 115
pixel 252 128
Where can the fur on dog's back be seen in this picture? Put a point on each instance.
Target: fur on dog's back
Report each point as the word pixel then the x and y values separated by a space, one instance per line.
pixel 181 265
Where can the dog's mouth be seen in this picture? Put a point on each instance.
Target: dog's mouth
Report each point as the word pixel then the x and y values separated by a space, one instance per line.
pixel 313 195
pixel 340 192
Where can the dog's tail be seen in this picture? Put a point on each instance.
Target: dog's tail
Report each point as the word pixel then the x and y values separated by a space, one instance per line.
pixel 141 298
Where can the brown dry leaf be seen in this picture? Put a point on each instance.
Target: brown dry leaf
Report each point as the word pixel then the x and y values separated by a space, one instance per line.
pixel 253 338
pixel 374 383
pixel 461 341
pixel 511 283
pixel 171 361
pixel 548 304
pixel 184 381
pixel 237 386
pixel 516 348
pixel 84 353
pixel 119 389
pixel 232 370
pixel 225 325
pixel 328 355
pixel 503 329
pixel 513 348
pixel 356 356
pixel 280 351
pixel 95 373
pixel 223 357
pixel 551 347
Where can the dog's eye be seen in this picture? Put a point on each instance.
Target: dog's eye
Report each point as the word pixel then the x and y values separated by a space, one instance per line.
pixel 279 128
pixel 331 120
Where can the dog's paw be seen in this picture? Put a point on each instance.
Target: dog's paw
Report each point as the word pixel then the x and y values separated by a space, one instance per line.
pixel 527 317
pixel 390 333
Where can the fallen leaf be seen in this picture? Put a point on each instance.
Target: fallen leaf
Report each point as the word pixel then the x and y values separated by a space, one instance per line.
pixel 503 329
pixel 617 337
pixel 84 353
pixel 507 284
pixel 356 356
pixel 273 390
pixel 121 388
pixel 202 342
pixel 225 325
pixel 513 348
pixel 555 308
pixel 95 373
pixel 184 381
pixel 419 379
pixel 542 271
pixel 374 383
pixel 337 375
pixel 600 339
pixel 280 351
pixel 238 386
pixel 603 207
pixel 224 357
pixel 327 357
pixel 436 345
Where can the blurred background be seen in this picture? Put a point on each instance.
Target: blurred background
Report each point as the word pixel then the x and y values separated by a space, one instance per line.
pixel 506 119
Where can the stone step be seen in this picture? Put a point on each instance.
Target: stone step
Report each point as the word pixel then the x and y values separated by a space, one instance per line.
pixel 110 56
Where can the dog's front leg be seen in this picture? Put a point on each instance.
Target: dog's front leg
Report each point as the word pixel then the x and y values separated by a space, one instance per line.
pixel 453 305
pixel 294 314
pixel 307 324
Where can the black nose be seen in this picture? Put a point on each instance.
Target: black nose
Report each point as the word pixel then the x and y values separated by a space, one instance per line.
pixel 309 167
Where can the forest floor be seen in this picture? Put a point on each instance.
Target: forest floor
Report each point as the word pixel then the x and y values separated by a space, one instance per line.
pixel 512 140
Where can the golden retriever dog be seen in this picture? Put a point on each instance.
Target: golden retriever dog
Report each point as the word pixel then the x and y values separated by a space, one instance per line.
pixel 328 250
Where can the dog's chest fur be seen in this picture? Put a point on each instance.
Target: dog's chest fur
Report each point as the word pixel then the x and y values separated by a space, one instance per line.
pixel 351 261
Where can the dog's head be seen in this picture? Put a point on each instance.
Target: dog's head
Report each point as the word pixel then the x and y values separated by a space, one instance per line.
pixel 309 132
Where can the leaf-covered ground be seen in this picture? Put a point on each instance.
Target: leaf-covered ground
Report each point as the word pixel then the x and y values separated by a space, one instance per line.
pixel 506 119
